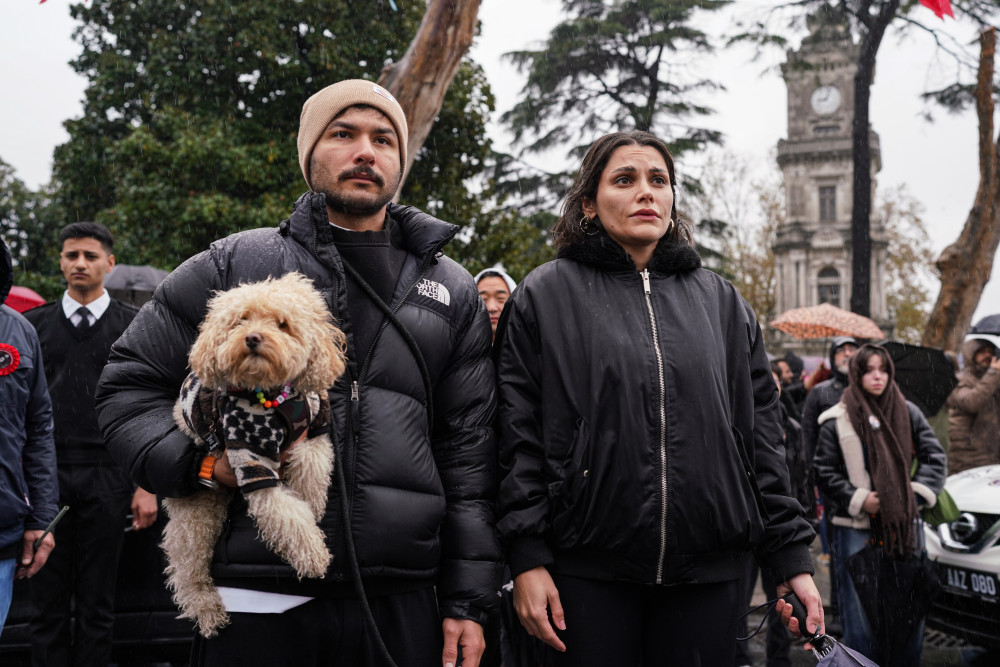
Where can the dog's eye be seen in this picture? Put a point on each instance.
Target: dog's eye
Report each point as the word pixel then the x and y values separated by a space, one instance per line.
pixel 282 325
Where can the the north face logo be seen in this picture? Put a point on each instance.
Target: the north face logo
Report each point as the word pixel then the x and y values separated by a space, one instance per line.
pixel 433 290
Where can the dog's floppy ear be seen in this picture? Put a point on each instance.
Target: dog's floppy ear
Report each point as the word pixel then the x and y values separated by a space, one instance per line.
pixel 326 342
pixel 326 359
pixel 203 356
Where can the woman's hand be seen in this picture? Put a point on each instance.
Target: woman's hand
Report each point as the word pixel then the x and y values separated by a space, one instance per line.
pixel 805 588
pixel 535 595
pixel 871 504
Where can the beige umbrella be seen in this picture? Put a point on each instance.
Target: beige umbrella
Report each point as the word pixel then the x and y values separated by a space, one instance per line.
pixel 824 321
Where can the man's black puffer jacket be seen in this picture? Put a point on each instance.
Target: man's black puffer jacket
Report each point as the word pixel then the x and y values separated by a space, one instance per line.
pixel 599 482
pixel 421 509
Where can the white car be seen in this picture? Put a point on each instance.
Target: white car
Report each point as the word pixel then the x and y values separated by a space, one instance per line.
pixel 967 553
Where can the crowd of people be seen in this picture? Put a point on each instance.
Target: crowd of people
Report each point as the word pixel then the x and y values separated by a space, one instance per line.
pixel 609 436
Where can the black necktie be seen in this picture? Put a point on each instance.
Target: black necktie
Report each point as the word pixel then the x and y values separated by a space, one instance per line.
pixel 84 323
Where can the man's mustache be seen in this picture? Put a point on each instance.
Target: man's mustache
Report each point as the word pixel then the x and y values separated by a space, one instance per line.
pixel 363 171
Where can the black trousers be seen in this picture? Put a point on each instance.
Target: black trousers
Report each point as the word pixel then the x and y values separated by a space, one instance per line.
pixel 81 570
pixel 779 639
pixel 632 625
pixel 324 632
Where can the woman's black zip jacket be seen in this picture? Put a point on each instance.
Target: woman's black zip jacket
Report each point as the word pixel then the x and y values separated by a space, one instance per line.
pixel 421 506
pixel 640 434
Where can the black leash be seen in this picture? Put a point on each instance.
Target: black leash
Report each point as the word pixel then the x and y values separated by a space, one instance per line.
pixel 352 556
pixel 341 480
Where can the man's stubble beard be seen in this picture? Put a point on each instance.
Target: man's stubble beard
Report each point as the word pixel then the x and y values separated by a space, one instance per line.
pixel 357 205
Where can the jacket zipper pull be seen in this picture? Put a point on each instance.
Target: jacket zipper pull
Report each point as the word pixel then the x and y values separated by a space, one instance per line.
pixel 355 408
pixel 645 280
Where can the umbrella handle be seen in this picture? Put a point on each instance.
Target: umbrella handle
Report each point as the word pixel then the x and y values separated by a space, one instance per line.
pixel 799 613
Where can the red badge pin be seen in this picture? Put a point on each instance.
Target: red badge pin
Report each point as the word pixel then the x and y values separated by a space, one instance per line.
pixel 10 359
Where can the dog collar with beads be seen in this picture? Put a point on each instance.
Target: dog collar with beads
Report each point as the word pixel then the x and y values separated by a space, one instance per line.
pixel 260 397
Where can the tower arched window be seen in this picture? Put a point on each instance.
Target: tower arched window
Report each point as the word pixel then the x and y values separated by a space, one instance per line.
pixel 828 284
pixel 828 203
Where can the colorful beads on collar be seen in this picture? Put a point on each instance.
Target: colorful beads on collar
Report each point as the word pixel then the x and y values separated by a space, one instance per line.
pixel 272 402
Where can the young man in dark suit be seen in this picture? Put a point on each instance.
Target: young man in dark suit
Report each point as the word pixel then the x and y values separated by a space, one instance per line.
pixel 76 334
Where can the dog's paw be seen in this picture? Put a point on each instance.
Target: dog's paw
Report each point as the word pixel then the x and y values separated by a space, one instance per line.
pixel 212 619
pixel 312 561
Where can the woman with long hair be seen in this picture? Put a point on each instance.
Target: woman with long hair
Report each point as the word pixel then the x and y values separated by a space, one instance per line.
pixel 877 463
pixel 640 433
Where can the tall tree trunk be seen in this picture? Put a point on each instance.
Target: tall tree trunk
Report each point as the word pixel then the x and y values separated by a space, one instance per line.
pixel 966 265
pixel 861 209
pixel 421 78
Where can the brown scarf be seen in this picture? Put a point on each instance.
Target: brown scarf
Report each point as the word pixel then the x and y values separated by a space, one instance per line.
pixel 883 424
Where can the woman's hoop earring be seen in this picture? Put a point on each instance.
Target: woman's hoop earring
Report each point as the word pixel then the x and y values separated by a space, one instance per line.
pixel 585 226
pixel 670 225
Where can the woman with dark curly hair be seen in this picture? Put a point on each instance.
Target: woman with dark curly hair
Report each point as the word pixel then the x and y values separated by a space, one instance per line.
pixel 640 433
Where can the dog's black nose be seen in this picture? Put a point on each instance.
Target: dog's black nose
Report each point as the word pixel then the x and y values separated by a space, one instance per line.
pixel 253 340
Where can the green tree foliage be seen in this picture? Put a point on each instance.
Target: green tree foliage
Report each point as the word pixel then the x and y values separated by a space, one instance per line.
pixel 517 242
pixel 190 118
pixel 612 66
pixel 26 224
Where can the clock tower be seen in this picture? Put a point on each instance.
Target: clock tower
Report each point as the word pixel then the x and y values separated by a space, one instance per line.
pixel 812 248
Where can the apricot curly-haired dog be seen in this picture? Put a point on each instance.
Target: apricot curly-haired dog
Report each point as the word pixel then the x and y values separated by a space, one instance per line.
pixel 264 358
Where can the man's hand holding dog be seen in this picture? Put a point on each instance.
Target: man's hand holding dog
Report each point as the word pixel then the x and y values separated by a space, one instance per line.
pixel 223 472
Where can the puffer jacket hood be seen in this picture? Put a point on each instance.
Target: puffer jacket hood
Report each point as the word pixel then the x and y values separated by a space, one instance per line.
pixel 6 271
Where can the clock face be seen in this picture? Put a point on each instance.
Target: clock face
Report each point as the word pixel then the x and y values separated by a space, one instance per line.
pixel 825 100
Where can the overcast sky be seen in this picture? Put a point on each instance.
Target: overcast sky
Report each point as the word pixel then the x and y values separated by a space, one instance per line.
pixel 936 161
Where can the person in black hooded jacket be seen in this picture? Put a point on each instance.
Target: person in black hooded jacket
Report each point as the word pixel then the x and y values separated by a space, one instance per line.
pixel 825 395
pixel 411 506
pixel 640 433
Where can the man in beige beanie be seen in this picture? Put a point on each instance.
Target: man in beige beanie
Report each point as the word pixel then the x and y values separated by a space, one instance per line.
pixel 410 520
pixel 358 174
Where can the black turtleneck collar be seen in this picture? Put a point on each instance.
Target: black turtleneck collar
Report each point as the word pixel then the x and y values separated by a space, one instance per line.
pixel 669 257
pixel 417 232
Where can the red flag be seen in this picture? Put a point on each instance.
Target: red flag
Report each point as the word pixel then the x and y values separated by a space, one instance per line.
pixel 939 7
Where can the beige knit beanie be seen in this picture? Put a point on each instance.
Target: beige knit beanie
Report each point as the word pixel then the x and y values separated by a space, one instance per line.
pixel 325 105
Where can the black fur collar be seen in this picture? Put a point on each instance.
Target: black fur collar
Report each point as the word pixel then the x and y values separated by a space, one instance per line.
pixel 669 257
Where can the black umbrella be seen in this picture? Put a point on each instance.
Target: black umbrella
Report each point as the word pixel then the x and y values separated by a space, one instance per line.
pixel 988 325
pixel 924 374
pixel 134 284
pixel 837 655
pixel 896 592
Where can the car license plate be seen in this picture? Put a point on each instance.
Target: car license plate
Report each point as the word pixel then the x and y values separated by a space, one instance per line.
pixel 969 582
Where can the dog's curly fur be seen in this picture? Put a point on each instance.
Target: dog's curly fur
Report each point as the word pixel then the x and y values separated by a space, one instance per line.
pixel 262 334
